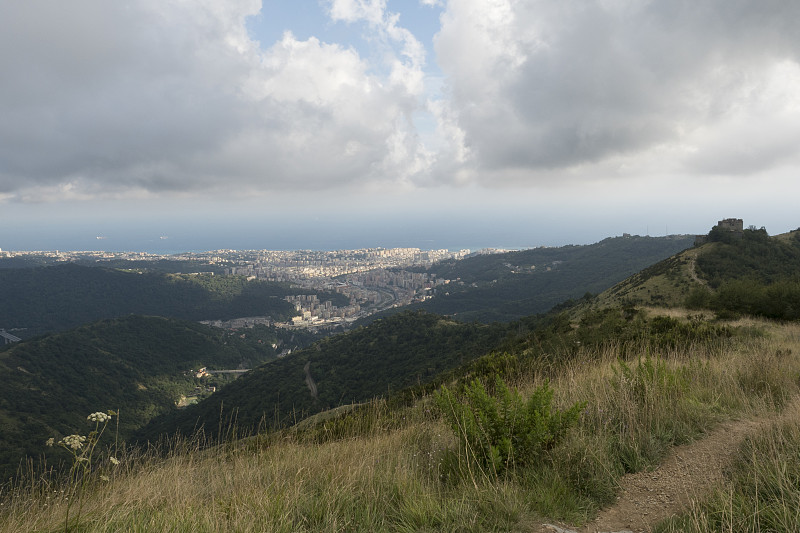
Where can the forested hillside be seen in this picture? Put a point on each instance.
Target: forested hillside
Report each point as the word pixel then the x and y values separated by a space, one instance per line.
pixel 54 298
pixel 512 285
pixel 387 355
pixel 733 274
pixel 755 275
pixel 138 365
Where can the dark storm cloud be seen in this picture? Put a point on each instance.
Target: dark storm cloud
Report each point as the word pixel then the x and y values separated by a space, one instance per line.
pixel 556 84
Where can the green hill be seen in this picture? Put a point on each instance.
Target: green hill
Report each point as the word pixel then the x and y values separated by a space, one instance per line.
pixel 388 355
pixel 755 256
pixel 38 300
pixel 509 286
pixel 755 275
pixel 384 469
pixel 136 364
pixel 751 274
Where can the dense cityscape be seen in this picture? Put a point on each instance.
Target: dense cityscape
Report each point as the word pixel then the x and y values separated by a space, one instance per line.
pixel 372 279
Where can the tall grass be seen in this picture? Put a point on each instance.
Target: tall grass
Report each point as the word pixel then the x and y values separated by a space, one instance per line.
pixel 376 469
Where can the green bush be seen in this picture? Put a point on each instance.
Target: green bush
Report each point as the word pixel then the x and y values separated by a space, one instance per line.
pixel 500 432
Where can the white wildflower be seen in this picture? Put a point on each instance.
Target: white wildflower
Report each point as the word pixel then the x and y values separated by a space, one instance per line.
pixel 113 460
pixel 73 441
pixel 49 442
pixel 99 417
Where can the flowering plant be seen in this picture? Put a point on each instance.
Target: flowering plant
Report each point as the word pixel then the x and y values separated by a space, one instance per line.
pixel 82 447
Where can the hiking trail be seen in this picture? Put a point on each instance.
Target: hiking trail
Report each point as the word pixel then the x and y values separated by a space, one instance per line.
pixel 686 474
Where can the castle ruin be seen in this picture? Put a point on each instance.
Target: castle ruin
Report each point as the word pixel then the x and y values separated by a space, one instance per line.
pixel 732 225
pixel 735 225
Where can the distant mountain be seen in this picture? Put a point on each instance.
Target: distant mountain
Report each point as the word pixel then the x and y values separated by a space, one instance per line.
pixel 509 286
pixel 392 353
pixel 39 300
pixel 136 364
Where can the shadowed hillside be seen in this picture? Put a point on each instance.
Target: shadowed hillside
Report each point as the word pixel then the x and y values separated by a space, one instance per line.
pixel 136 364
pixel 386 356
pixel 45 299
pixel 509 286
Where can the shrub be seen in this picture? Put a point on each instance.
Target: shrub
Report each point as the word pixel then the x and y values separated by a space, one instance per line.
pixel 500 432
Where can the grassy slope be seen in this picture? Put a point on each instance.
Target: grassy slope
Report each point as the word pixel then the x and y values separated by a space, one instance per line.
pixel 384 472
pixel 761 491
pixel 756 257
pixel 666 283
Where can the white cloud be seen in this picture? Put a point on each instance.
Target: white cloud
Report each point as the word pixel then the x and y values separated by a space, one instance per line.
pixel 758 129
pixel 174 96
pixel 355 10
pixel 406 64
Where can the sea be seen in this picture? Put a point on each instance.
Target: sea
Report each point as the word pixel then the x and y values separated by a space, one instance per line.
pixel 176 239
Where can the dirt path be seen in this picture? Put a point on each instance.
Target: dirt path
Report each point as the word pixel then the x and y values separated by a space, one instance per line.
pixel 312 387
pixel 693 270
pixel 686 474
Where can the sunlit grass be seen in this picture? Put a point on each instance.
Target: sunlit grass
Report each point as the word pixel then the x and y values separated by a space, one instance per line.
pixel 383 472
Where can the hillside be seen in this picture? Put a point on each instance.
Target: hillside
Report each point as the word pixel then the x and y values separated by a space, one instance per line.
pixel 38 300
pixel 755 274
pixel 383 469
pixel 597 391
pixel 667 283
pixel 386 356
pixel 509 286
pixel 406 356
pixel 136 364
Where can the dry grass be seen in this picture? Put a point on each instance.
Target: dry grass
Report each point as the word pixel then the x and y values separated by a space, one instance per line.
pixel 390 480
pixel 680 313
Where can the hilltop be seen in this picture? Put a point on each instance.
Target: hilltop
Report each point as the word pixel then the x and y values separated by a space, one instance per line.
pixel 753 274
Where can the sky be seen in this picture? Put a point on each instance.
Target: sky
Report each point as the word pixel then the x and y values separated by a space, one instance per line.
pixel 325 124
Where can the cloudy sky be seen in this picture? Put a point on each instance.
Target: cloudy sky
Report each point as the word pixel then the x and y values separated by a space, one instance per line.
pixel 431 123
